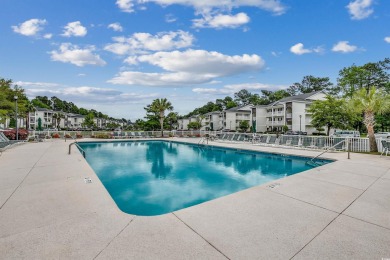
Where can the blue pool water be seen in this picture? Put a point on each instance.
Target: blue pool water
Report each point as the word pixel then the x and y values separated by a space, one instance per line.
pixel 156 177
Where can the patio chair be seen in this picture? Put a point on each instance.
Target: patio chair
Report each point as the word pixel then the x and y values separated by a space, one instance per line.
pixel 314 143
pixel 229 137
pixel 263 140
pixel 306 141
pixel 242 138
pixel 322 143
pixel 276 142
pixel 271 140
pixel 4 142
pixel 116 135
pixel 385 147
pixel 235 137
pixel 293 141
pixel 283 140
pixel 338 145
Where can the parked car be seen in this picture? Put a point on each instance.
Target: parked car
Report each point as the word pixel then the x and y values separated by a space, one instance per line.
pixel 382 135
pixel 346 133
pixel 295 133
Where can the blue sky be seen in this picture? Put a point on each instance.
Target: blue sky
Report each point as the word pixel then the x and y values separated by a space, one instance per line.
pixel 116 56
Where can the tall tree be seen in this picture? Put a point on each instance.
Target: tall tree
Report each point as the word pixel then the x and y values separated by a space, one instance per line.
pixel 242 97
pixel 57 119
pixel 273 96
pixel 8 91
pixel 331 113
pixel 372 74
pixel 29 109
pixel 172 119
pixel 158 107
pixel 311 84
pixel 370 103
pixel 89 120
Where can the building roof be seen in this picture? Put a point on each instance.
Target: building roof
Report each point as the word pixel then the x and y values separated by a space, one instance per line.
pixel 43 109
pixel 74 115
pixel 301 97
pixel 239 109
pixel 214 113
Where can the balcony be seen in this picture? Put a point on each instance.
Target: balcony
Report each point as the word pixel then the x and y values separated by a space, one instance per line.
pixel 276 113
pixel 243 117
pixel 289 115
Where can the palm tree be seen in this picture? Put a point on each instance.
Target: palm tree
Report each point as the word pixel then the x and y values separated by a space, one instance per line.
pixel 172 119
pixel 59 117
pixel 371 102
pixel 159 106
pixel 54 118
pixel 29 108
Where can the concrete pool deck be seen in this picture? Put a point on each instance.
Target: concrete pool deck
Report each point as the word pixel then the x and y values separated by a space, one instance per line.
pixel 336 211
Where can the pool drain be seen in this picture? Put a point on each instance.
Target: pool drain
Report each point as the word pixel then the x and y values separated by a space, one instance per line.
pixel 274 185
pixel 87 180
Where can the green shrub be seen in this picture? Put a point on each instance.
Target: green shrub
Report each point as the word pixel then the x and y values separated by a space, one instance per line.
pixel 102 136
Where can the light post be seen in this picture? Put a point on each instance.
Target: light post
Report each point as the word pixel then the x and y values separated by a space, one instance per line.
pixel 300 123
pixel 16 117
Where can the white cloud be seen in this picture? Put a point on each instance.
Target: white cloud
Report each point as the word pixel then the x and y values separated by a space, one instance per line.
pixel 231 89
pixel 48 36
pixel 274 6
pixel 159 79
pixel 116 27
pixel 221 21
pixel 360 9
pixel 170 18
pixel 36 84
pixel 299 49
pixel 30 27
pixel 82 93
pixel 144 42
pixel 69 53
pixel 344 46
pixel 203 62
pixel 125 5
pixel 387 39
pixel 188 67
pixel 74 29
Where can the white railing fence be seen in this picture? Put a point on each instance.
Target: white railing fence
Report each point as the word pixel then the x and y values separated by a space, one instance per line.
pixel 356 144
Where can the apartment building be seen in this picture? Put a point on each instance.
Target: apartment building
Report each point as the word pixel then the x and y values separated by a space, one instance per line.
pixel 234 116
pixel 70 120
pixel 183 122
pixel 213 121
pixel 46 116
pixel 290 111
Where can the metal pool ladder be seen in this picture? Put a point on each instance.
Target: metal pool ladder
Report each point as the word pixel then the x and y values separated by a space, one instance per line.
pixel 313 163
pixel 203 140
pixel 76 143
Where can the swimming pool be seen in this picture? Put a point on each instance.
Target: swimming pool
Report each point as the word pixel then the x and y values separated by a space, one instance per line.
pixel 156 177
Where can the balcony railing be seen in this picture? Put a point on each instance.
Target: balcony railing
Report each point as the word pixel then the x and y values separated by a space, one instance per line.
pixel 276 113
pixel 289 115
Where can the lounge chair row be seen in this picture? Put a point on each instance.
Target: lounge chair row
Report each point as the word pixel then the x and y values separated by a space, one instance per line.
pixel 126 135
pixel 385 147
pixel 236 137
pixel 306 142
pixel 6 143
